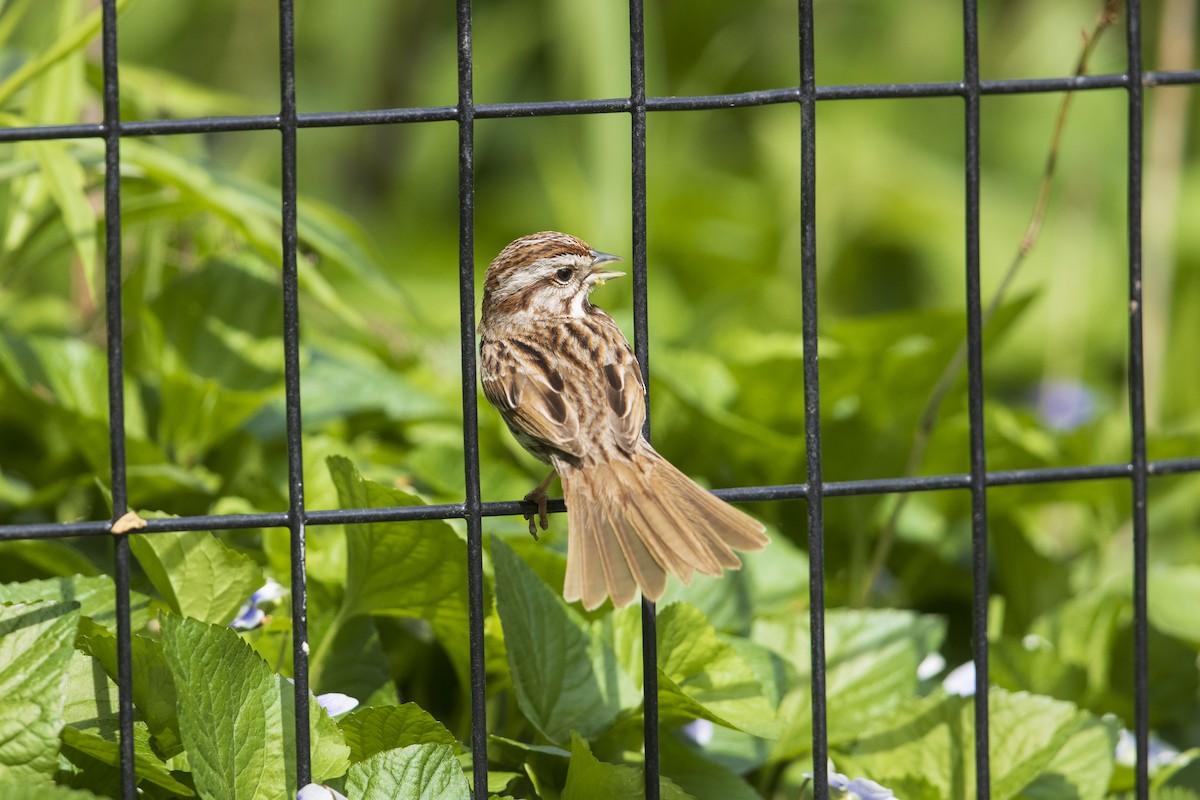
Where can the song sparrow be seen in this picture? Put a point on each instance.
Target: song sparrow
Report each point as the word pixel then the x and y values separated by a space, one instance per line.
pixel 568 385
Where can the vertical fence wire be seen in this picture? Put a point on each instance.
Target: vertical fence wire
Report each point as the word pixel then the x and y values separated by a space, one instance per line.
pixel 291 354
pixel 473 506
pixel 812 396
pixel 975 420
pixel 116 388
pixel 641 346
pixel 1137 405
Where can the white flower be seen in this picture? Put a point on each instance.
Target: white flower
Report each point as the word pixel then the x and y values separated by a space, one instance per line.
pixel 857 789
pixel 930 666
pixel 316 791
pixel 336 703
pixel 250 616
pixel 699 731
pixel 961 680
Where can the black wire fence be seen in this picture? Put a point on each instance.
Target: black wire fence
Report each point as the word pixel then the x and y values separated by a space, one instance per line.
pixel 1138 469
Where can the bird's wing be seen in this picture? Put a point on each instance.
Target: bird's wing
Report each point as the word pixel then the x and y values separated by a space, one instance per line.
pixel 621 379
pixel 520 381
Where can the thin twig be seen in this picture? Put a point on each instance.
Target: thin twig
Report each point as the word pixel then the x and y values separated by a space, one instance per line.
pixel 945 382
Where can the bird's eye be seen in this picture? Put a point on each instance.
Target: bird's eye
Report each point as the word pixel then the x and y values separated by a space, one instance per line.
pixel 563 274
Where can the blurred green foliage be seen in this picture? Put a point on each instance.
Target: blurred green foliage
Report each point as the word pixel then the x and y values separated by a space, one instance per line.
pixel 382 390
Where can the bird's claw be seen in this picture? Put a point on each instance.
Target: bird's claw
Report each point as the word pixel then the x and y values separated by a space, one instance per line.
pixel 540 516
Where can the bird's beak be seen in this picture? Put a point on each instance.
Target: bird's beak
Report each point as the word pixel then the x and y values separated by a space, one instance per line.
pixel 599 275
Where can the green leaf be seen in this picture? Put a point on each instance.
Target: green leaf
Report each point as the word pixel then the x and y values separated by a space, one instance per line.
pixel 871 660
pixel 350 659
pixel 35 656
pixel 68 187
pixel 1174 596
pixel 96 596
pixel 237 717
pixel 153 686
pixel 416 772
pixel 1035 743
pixel 702 676
pixel 368 731
pixel 407 569
pixel 197 574
pixel 699 776
pixel 16 786
pixel 589 778
pixel 565 678
pixel 92 725
pixel 72 40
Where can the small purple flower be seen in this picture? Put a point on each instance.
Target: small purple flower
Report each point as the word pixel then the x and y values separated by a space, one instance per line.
pixel 1064 405
pixel 250 616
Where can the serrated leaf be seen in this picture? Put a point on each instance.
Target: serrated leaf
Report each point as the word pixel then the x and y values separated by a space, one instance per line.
pixel 35 655
pixel 931 741
pixel 101 743
pixel 197 574
pixel 407 569
pixel 96 596
pixel 701 676
pixel 871 660
pixel 416 772
pixel 237 716
pixel 589 778
pixel 368 731
pixel 21 787
pixel 153 686
pixel 565 679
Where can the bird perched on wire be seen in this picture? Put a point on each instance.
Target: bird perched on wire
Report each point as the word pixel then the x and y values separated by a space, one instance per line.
pixel 567 383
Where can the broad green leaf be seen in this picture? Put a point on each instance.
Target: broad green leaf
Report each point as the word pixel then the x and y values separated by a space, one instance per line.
pixel 373 730
pixel 1174 596
pixel 589 778
pixel 416 772
pixel 17 786
pixel 702 676
pixel 1033 665
pixel 565 678
pixel 96 596
pixel 237 717
pixel 700 777
pixel 930 742
pixel 153 686
pixel 871 660
pixel 100 742
pixel 90 738
pixel 35 656
pixel 197 574
pixel 406 569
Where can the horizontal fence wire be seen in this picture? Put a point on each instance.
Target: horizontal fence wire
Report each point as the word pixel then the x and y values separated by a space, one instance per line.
pixel 638 105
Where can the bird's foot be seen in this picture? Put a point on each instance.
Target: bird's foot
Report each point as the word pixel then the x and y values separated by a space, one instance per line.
pixel 539 498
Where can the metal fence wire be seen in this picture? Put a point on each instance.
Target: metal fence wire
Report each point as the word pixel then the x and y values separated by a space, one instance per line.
pixel 1137 470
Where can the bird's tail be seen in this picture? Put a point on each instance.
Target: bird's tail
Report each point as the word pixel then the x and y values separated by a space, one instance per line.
pixel 633 520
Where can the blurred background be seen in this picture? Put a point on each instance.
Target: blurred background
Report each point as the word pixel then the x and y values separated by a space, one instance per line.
pixel 378 223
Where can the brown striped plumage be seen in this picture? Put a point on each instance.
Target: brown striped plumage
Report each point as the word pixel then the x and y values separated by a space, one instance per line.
pixel 565 380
